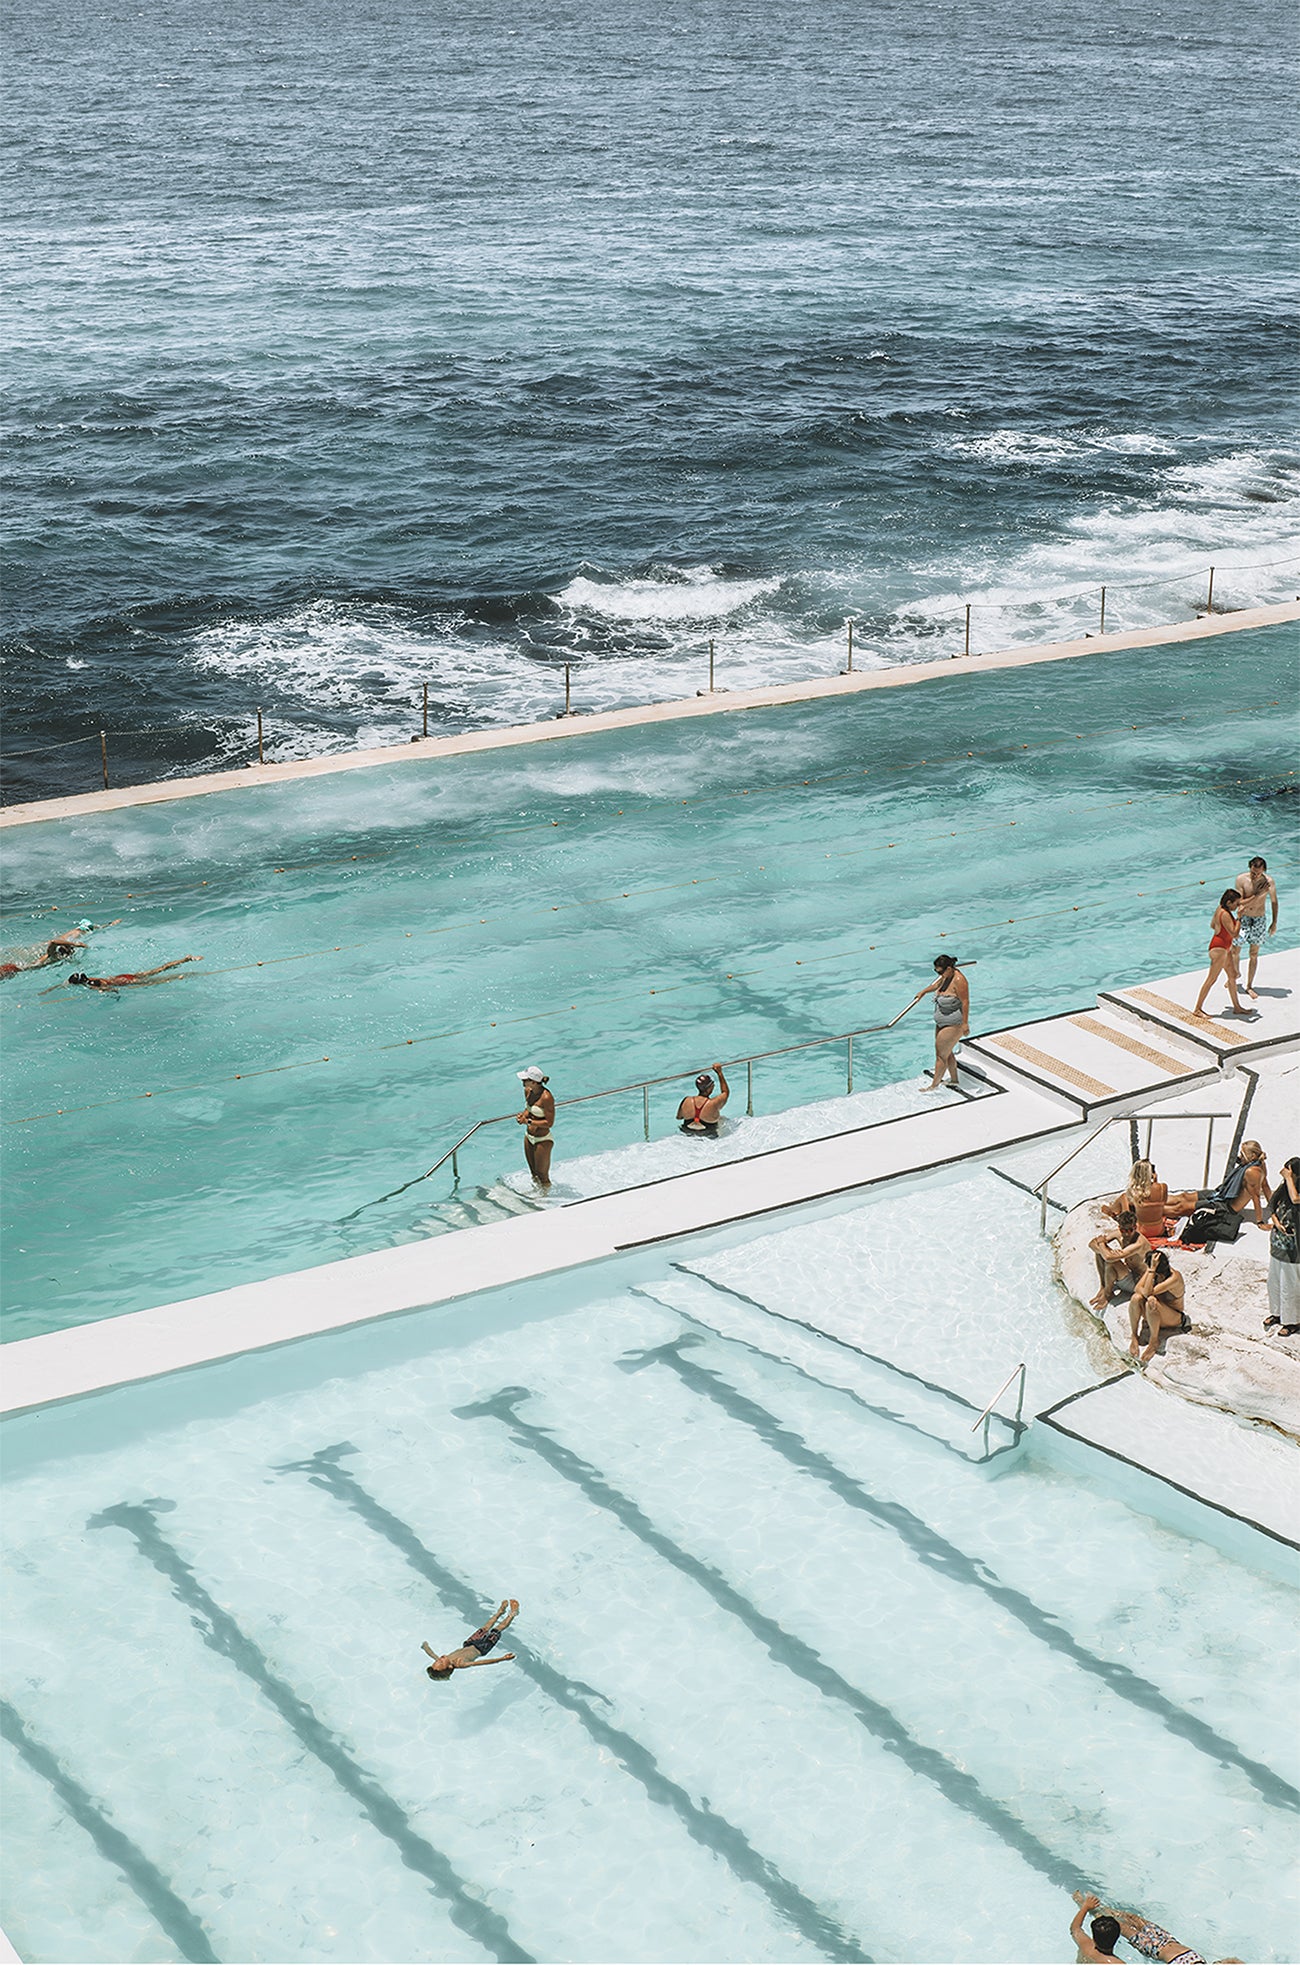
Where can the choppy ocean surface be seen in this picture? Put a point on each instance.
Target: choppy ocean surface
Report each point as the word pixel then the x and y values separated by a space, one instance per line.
pixel 359 349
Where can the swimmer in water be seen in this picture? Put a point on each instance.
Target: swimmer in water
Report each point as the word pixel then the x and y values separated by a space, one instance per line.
pixel 476 1646
pixel 699 1114
pixel 134 978
pixel 40 955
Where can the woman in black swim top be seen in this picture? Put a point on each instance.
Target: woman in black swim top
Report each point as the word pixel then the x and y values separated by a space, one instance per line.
pixel 698 1115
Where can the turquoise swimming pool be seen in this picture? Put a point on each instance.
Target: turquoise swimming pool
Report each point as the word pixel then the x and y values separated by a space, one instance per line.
pixel 383 949
pixel 798 1678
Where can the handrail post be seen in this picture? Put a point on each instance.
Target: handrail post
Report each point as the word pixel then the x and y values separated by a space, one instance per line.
pixel 455 1166
pixel 1209 598
pixel 849 670
pixel 710 683
pixel 645 1108
pixel 567 710
pixel 260 756
pixel 103 756
pixel 966 650
pixel 1020 1395
pixel 1102 627
pixel 1134 1153
pixel 749 1088
pixel 1209 1148
pixel 849 1087
pixel 426 709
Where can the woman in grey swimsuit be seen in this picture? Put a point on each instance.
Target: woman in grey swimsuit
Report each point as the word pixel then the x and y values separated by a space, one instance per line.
pixel 951 993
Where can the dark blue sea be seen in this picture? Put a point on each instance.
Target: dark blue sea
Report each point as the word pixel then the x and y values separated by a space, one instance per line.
pixel 358 348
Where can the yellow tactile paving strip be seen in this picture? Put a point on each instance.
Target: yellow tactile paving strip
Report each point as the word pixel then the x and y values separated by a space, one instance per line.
pixel 1066 1072
pixel 1178 1067
pixel 1202 1023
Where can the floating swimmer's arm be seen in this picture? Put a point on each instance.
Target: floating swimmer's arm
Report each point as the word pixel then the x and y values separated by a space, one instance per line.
pixel 502 1658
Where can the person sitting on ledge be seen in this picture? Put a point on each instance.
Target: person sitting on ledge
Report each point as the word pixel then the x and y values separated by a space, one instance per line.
pixel 699 1113
pixel 1152 1940
pixel 1157 1300
pixel 476 1646
pixel 1146 1197
pixel 1245 1187
pixel 1119 1256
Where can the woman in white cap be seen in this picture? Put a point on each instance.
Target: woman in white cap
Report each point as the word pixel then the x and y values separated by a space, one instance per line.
pixel 537 1118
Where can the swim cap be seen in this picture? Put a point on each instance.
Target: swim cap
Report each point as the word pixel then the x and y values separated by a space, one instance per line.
pixel 85 924
pixel 704 1082
pixel 532 1074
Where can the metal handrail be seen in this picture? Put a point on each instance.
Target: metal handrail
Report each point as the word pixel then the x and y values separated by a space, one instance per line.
pixel 643 1085
pixel 1117 1119
pixel 1020 1368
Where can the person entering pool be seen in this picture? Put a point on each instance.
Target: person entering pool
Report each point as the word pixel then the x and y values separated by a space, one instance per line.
pixel 476 1646
pixel 951 993
pixel 699 1112
pixel 136 978
pixel 1109 1926
pixel 537 1118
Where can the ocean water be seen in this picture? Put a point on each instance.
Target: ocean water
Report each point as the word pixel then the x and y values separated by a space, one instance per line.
pixel 354 350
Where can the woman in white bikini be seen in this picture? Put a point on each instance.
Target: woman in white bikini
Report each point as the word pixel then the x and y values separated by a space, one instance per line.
pixel 537 1118
pixel 951 993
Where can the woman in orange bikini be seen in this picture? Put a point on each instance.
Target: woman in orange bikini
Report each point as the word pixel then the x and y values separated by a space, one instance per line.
pixel 1146 1197
pixel 1223 954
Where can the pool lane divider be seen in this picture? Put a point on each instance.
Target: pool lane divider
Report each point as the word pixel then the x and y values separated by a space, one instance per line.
pixel 560 729
pixel 937 1553
pixel 711 1830
pixel 220 1632
pixel 786 1650
pixel 171 1914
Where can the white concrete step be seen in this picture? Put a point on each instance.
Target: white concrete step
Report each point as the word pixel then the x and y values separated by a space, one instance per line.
pixel 1093 1059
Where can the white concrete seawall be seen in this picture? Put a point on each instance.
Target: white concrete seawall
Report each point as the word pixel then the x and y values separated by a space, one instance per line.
pixel 722 703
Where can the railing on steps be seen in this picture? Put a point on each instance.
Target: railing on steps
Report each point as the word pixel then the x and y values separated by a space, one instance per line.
pixel 1134 1125
pixel 987 1413
pixel 644 1086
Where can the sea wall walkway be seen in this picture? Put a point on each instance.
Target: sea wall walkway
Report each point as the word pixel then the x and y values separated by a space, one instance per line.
pixel 720 703
pixel 1037 1091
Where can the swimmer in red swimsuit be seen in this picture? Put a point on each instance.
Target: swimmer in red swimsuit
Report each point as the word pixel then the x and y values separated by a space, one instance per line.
pixel 1223 954
pixel 136 978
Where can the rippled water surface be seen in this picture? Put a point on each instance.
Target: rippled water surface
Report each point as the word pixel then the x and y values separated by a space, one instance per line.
pixel 362 349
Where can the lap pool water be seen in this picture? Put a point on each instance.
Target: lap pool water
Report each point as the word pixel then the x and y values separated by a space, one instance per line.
pixel 382 949
pixel 797 1678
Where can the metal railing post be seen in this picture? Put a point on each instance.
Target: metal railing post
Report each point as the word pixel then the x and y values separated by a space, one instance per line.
pixel 849 670
pixel 1133 1152
pixel 1209 1148
pixel 710 668
pixel 103 757
pixel 749 1088
pixel 1102 628
pixel 849 1086
pixel 645 1108
pixel 455 1166
pixel 567 710
pixel 1209 598
pixel 426 709
pixel 966 650
pixel 260 757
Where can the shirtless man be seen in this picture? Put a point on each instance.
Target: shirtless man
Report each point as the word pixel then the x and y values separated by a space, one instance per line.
pixel 1157 1301
pixel 1119 1255
pixel 699 1113
pixel 136 978
pixel 476 1646
pixel 1152 1940
pixel 1245 1187
pixel 1257 889
pixel 537 1118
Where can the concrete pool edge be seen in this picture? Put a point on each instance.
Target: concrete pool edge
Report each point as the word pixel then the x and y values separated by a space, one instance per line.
pixel 558 728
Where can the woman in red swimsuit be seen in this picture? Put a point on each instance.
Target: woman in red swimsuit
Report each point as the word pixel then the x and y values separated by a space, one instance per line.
pixel 1223 954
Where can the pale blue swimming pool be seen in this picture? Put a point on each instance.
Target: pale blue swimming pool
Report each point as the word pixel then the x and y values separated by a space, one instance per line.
pixel 797 1679
pixel 383 950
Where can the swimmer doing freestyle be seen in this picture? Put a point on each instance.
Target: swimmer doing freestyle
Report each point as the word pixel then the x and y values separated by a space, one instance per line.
pixel 133 978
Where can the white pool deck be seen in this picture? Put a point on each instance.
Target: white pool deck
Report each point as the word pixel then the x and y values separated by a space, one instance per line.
pixel 716 703
pixel 1046 1078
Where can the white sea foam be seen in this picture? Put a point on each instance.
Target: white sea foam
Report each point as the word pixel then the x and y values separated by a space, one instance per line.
pixel 696 593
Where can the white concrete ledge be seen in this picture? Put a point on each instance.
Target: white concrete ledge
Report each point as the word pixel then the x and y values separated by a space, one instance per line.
pixel 898 676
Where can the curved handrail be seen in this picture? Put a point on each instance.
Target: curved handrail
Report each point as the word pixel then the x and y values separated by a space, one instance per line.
pixel 642 1085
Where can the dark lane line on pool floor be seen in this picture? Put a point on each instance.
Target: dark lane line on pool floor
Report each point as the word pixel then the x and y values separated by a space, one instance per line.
pixel 936 1552
pixel 701 1823
pixel 223 1635
pixel 168 1911
pixel 786 1650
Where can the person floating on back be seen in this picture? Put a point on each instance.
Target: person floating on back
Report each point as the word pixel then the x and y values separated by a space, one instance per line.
pixel 537 1118
pixel 136 978
pixel 699 1112
pixel 476 1646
